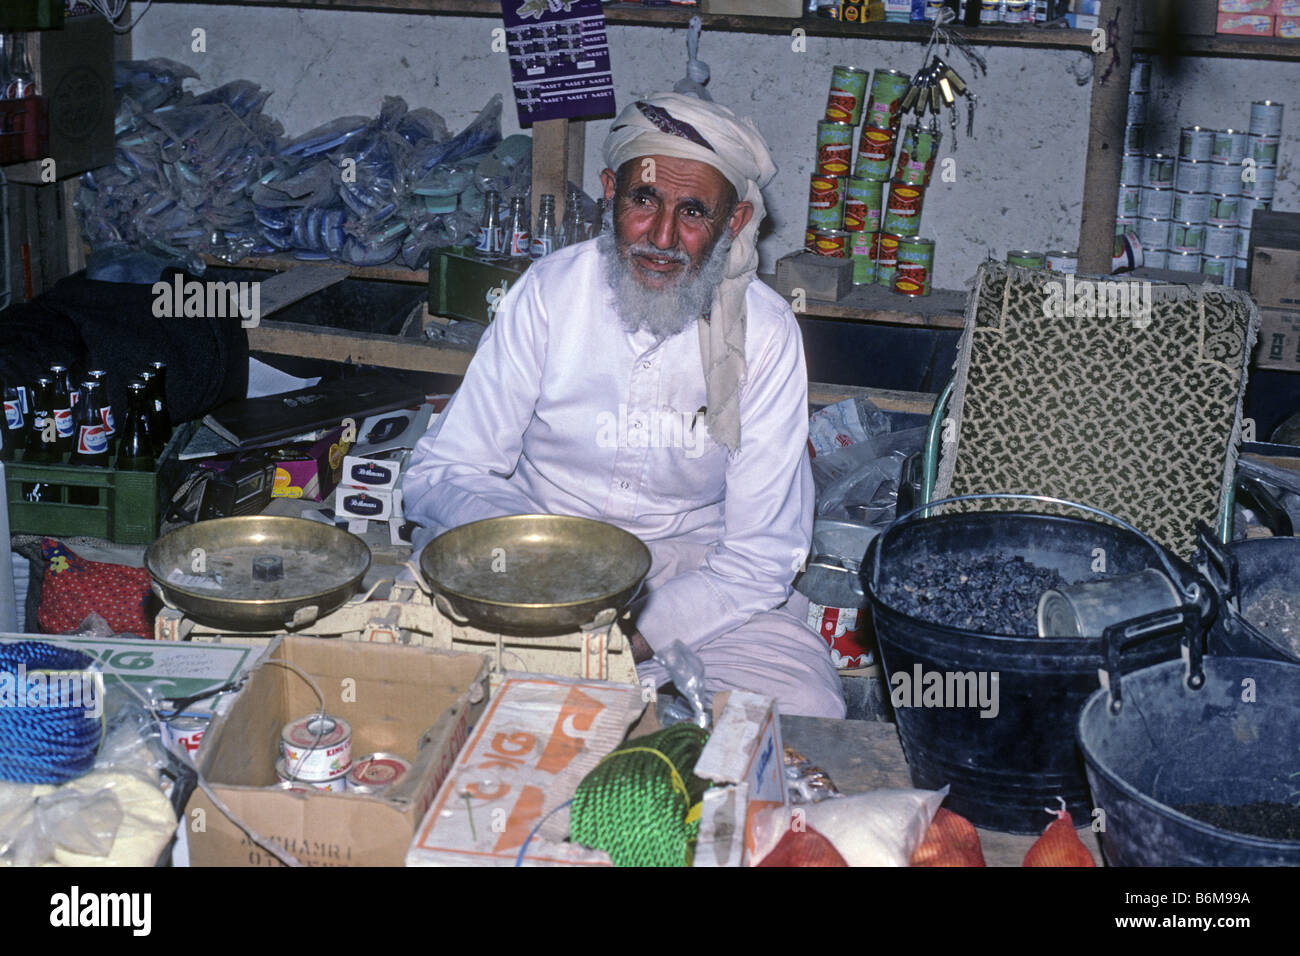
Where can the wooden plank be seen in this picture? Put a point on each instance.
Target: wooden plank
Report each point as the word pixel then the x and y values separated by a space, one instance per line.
pixel 577 148
pixel 890 400
pixel 942 309
pixel 1110 82
pixel 286 288
pixel 76 249
pixel 550 165
pixel 387 351
pixel 387 273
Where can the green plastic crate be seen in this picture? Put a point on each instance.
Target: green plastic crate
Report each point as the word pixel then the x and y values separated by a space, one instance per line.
pixel 463 287
pixel 129 503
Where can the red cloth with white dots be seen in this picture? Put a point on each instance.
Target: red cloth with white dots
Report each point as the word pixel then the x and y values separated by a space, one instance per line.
pixel 75 588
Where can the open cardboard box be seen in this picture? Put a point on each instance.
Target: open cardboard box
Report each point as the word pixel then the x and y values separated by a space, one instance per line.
pixel 411 701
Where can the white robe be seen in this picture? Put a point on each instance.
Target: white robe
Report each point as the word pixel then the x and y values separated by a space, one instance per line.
pixel 564 412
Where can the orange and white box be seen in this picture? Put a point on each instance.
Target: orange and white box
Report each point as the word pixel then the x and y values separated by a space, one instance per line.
pixel 536 741
pixel 1288 28
pixel 1245 24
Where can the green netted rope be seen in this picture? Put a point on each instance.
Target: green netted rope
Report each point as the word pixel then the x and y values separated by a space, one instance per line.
pixel 641 804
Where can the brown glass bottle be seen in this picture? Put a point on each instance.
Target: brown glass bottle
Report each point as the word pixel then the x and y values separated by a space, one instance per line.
pixel 155 407
pixel 42 446
pixel 135 447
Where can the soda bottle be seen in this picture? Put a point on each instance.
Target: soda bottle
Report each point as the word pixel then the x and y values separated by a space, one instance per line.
pixel 42 446
pixel 92 443
pixel 135 447
pixel 64 426
pixel 573 229
pixel 544 237
pixel 22 78
pixel 110 428
pixel 155 412
pixel 162 416
pixel 518 228
pixel 491 234
pixel 14 423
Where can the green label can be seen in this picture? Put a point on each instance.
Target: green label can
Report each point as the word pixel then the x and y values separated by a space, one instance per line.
pixel 917 155
pixel 862 205
pixel 834 148
pixel 833 243
pixel 875 153
pixel 903 213
pixel 914 265
pixel 1223 209
pixel 826 202
pixel 885 254
pixel 1027 259
pixel 864 266
pixel 1187 237
pixel 886 100
pixel 848 93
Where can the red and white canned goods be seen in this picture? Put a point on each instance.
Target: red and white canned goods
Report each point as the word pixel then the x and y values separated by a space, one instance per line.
pixel 335 784
pixel 1263 185
pixel 1159 170
pixel 886 100
pixel 841 629
pixel 1220 241
pixel 833 243
pixel 847 94
pixel 834 148
pixel 1135 137
pixel 1266 118
pixel 826 202
pixel 1246 206
pixel 1263 149
pixel 1219 268
pixel 1243 244
pixel 903 212
pixel 1157 202
pixel 1187 237
pixel 1196 142
pixel 875 153
pixel 1154 258
pixel 375 773
pixel 1193 176
pixel 186 734
pixel 1183 261
pixel 914 265
pixel 1130 200
pixel 1139 75
pixel 317 747
pixel 1223 209
pixel 1190 207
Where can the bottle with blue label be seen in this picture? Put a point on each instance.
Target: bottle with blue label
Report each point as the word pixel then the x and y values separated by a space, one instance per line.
pixel 92 442
pixel 491 232
pixel 11 428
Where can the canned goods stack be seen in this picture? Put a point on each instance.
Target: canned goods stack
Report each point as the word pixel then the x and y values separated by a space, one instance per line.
pixel 1132 174
pixel 316 750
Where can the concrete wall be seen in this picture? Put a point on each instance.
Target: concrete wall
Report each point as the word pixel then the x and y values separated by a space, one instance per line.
pixel 1018 181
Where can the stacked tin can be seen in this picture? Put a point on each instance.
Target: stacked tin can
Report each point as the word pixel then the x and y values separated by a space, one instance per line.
pixel 828 204
pixel 1132 173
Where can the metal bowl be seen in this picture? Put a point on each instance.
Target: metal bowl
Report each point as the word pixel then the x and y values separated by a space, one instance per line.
pixel 205 571
pixel 534 573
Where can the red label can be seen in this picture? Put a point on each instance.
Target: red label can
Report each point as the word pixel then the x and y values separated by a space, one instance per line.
pixel 831 242
pixel 875 153
pixel 834 148
pixel 839 627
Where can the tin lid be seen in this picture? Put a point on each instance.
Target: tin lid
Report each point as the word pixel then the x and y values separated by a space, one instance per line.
pixel 1159 189
pixel 378 770
pixel 1190 192
pixel 316 731
pixel 834 123
pixel 1198 129
pixel 1064 253
pixel 1188 159
pixel 1023 252
pixel 832 233
pixel 850 69
pixel 916 240
pixel 900 73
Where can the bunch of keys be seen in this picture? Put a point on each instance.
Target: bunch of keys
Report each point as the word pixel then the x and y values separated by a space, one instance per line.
pixel 937 86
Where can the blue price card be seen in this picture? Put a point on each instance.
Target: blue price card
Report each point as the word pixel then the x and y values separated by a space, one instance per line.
pixel 559 59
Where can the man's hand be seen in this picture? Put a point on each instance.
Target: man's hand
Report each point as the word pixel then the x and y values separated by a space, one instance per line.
pixel 641 651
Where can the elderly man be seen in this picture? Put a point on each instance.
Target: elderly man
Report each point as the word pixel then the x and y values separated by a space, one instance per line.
pixel 646 379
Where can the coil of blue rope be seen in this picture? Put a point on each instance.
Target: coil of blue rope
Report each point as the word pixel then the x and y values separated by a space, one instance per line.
pixel 42 741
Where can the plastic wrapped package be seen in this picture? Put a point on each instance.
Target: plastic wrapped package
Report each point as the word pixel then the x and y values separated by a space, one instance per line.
pixel 860 482
pixel 150 83
pixel 692 703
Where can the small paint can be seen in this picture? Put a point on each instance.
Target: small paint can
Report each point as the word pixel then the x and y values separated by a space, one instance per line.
pixel 1266 118
pixel 375 773
pixel 1137 106
pixel 1264 184
pixel 1133 169
pixel 1027 259
pixel 917 154
pixel 875 153
pixel 886 99
pixel 903 211
pixel 990 10
pixel 1086 609
pixel 1190 207
pixel 861 199
pixel 1154 258
pixel 335 784
pixel 1263 149
pixel 1220 240
pixel 1062 260
pixel 886 256
pixel 1229 146
pixel 1159 170
pixel 833 243
pixel 1018 11
pixel 317 747
pixel 1196 142
pixel 186 733
pixel 826 202
pixel 1135 137
pixel 1183 261
pixel 1157 202
pixel 1187 237
pixel 834 148
pixel 1193 176
pixel 914 264
pixel 847 93
pixel 1130 200
pixel 1223 209
pixel 1153 232
pixel 1220 268
pixel 1225 177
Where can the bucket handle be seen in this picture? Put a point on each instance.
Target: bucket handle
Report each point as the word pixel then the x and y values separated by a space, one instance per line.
pixel 1116 638
pixel 1191 591
pixel 1220 561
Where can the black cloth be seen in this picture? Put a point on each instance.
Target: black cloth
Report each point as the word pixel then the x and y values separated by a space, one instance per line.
pixel 86 324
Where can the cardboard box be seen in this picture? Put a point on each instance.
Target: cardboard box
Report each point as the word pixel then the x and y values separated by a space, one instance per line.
pixel 1287 28
pixel 1273 258
pixel 1246 6
pixel 366 504
pixel 411 701
pixel 1279 340
pixel 1244 24
pixel 820 277
pixel 309 470
pixel 371 473
pixel 755 8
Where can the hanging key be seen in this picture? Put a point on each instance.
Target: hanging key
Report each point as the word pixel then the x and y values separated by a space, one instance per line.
pixel 971 102
pixel 935 99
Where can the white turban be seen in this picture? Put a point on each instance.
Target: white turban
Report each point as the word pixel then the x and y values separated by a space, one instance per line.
pixel 684 127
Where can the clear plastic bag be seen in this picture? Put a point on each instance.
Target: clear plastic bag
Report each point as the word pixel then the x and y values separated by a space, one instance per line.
pixel 860 482
pixel 692 703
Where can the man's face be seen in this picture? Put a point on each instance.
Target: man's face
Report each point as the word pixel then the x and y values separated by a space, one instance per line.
pixel 668 215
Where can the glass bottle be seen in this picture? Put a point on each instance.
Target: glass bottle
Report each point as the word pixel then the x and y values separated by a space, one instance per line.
pixel 544 240
pixel 13 423
pixel 155 412
pixel 573 228
pixel 162 418
pixel 61 396
pixel 92 444
pixel 598 220
pixel 22 78
pixel 518 231
pixel 491 233
pixel 110 425
pixel 135 448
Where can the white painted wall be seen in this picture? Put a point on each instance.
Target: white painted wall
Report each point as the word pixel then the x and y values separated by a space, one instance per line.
pixel 1019 181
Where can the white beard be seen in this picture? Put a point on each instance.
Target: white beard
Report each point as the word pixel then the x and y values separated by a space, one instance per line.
pixel 662 312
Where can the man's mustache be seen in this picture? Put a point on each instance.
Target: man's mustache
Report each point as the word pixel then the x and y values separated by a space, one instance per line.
pixel 649 249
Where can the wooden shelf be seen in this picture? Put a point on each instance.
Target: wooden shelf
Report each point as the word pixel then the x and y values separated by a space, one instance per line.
pixel 386 273
pixel 361 348
pixel 1225 45
pixel 635 14
pixel 941 309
